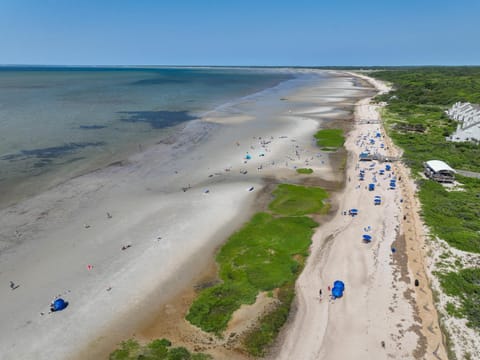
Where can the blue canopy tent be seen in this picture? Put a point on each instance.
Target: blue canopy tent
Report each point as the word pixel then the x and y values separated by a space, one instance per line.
pixel 388 167
pixel 59 304
pixel 377 200
pixel 340 284
pixel 338 288
pixel 367 238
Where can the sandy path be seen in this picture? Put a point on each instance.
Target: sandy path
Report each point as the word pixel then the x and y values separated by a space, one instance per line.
pixel 378 305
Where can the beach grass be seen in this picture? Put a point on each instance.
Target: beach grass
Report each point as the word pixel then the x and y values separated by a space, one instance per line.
pixel 156 350
pixel 453 215
pixel 267 328
pixel 264 255
pixel 330 139
pixel 294 200
pixel 464 285
pixel 306 171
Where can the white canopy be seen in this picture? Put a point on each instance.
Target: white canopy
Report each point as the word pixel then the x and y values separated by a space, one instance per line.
pixel 439 165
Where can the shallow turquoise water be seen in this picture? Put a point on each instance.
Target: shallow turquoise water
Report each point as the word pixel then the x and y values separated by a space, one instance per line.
pixel 58 122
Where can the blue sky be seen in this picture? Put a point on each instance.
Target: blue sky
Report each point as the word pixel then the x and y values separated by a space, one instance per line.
pixel 246 32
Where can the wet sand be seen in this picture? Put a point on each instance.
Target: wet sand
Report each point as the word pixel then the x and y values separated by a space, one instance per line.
pixel 169 207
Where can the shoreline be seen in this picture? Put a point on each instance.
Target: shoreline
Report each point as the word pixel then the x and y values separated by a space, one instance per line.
pixel 21 187
pixel 68 225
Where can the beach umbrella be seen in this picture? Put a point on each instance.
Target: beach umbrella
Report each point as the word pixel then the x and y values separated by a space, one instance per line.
pixel 367 238
pixel 59 304
pixel 248 156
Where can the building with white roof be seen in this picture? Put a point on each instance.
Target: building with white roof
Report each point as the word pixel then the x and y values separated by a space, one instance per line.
pixel 439 171
pixel 468 117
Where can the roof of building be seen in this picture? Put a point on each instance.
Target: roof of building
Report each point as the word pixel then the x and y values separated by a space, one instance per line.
pixel 439 165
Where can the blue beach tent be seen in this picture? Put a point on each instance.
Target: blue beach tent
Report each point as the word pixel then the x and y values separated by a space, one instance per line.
pixel 353 212
pixel 339 284
pixel 371 187
pixel 338 288
pixel 337 293
pixel 367 238
pixel 388 167
pixel 59 304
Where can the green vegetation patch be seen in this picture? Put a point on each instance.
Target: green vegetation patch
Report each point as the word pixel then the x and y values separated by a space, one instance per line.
pixel 156 350
pixel 465 285
pixel 270 324
pixel 453 215
pixel 259 257
pixel 294 200
pixel 305 171
pixel 416 121
pixel 330 139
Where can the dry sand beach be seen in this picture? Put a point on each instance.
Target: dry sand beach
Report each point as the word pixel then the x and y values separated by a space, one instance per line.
pixel 382 315
pixel 173 204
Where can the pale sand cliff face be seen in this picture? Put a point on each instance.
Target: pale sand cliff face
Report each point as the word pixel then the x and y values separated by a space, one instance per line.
pixel 62 242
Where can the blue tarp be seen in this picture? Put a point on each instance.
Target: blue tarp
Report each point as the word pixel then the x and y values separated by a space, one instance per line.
pixel 59 304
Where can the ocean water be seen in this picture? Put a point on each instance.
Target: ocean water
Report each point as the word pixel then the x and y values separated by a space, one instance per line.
pixel 56 123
